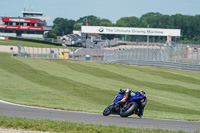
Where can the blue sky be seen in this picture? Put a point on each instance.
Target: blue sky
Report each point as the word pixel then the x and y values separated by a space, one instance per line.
pixel 110 9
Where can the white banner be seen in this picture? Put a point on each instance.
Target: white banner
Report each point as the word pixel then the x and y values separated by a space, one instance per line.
pixel 131 31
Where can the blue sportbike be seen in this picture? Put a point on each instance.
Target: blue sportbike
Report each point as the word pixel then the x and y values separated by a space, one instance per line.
pixel 134 105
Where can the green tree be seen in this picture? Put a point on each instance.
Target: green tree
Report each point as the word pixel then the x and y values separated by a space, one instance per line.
pixel 92 20
pixel 105 22
pixel 77 26
pixel 128 22
pixel 52 35
pixel 63 26
pixel 149 19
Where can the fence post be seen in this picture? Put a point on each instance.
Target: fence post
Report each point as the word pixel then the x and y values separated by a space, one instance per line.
pixel 192 57
pixel 33 52
pixel 198 57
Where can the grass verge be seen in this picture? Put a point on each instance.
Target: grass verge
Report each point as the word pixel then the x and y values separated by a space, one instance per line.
pixel 30 44
pixel 69 127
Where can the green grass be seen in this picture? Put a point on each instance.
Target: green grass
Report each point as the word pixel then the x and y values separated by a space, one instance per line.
pixel 68 127
pixel 90 87
pixel 30 44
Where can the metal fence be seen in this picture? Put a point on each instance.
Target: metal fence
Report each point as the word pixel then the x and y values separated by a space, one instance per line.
pixel 46 53
pixel 179 57
pixel 83 54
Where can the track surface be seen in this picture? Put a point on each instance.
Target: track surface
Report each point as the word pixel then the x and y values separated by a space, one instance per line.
pixel 13 110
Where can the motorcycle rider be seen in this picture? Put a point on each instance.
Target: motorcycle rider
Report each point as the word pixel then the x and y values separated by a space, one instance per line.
pixel 128 93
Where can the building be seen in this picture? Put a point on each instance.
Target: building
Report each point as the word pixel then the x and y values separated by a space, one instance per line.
pixel 71 40
pixel 32 24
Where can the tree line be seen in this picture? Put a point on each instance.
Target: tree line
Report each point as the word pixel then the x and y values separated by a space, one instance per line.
pixel 189 25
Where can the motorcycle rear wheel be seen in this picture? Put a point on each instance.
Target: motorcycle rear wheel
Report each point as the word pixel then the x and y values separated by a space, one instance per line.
pixel 129 109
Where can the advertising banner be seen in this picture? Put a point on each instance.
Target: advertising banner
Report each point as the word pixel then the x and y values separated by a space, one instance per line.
pixel 131 31
pixel 21 27
pixel 3 38
pixel 19 20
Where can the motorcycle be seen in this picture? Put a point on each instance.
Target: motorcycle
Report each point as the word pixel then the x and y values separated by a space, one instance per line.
pixel 131 106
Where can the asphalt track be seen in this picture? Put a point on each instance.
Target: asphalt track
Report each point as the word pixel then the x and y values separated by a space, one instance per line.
pixel 13 110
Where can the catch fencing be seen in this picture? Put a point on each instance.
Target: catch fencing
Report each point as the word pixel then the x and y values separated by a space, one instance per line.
pixel 177 57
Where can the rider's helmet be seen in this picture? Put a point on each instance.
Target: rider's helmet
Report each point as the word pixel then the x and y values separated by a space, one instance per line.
pixel 122 91
pixel 142 92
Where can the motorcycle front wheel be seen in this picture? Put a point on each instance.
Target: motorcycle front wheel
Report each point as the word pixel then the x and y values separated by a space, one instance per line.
pixel 107 110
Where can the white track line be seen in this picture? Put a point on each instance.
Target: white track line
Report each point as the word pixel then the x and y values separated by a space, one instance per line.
pixel 34 107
